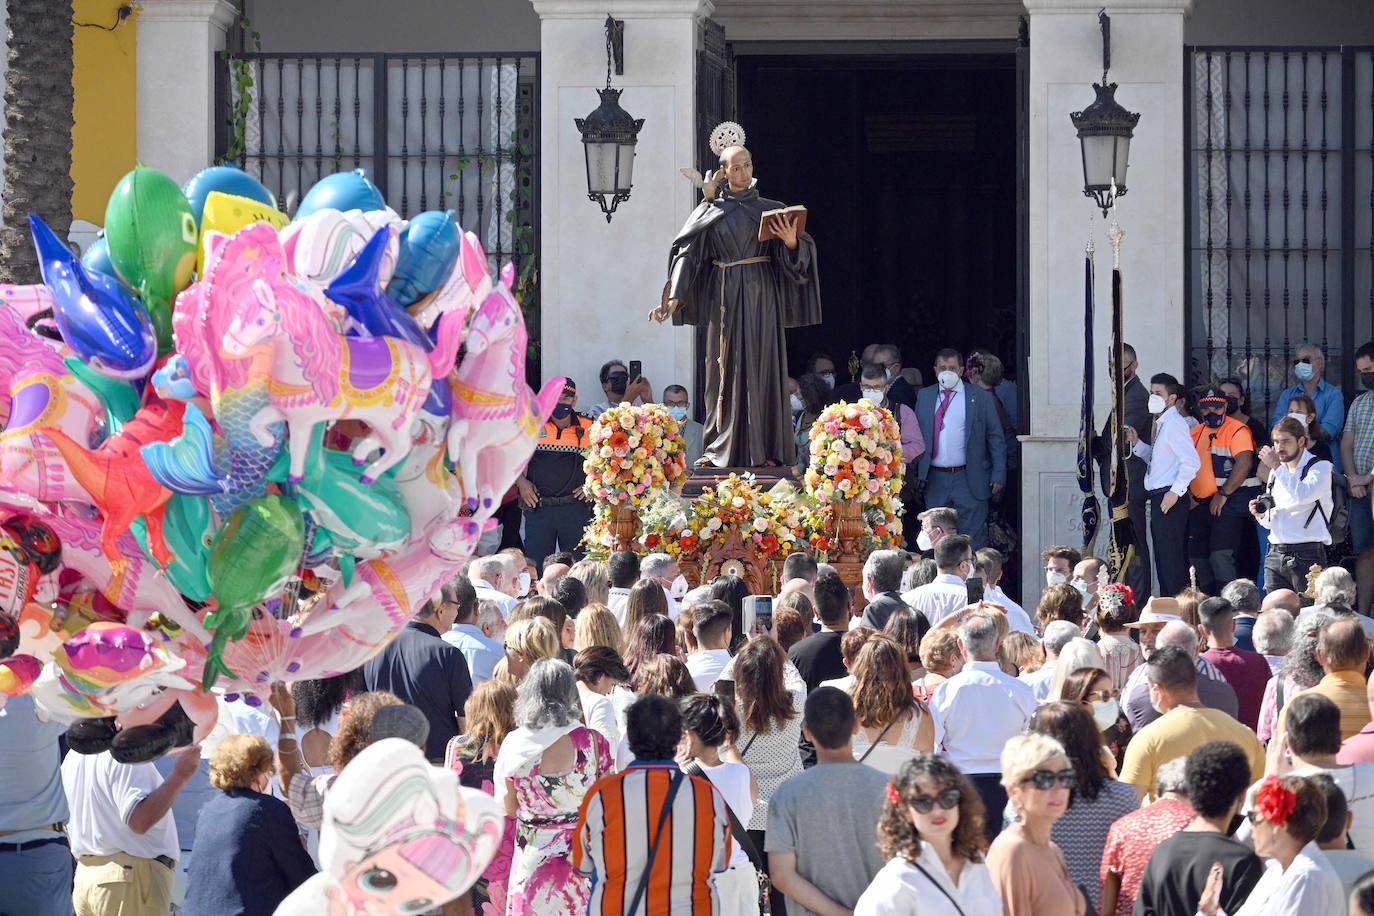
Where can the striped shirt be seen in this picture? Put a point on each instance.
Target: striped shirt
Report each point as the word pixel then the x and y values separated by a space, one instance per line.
pixel 1347 690
pixel 615 829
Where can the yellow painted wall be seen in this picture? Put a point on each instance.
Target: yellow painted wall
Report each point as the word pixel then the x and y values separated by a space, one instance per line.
pixel 104 130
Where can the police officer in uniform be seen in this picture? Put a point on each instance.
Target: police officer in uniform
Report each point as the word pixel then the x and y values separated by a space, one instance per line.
pixel 1221 492
pixel 556 509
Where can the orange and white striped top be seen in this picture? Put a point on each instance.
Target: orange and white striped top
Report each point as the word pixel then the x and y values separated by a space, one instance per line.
pixel 615 828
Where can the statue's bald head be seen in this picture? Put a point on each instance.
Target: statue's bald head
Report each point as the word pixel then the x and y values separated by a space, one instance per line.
pixel 738 166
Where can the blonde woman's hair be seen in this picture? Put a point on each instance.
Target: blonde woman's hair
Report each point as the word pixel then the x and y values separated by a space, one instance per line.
pixel 597 626
pixel 490 717
pixel 535 638
pixel 594 578
pixel 239 761
pixel 1024 754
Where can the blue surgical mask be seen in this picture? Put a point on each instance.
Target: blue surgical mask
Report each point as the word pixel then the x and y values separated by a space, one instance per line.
pixel 1303 371
pixel 677 412
pixel 561 411
pixel 1214 420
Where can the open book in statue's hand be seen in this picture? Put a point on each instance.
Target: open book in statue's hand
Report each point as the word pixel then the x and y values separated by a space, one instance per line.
pixel 766 225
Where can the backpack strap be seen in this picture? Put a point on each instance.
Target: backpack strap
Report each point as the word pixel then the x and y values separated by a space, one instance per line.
pixel 1317 506
pixel 737 830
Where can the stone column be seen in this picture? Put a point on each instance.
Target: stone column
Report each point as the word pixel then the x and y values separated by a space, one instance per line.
pixel 599 280
pixel 178 46
pixel 1065 59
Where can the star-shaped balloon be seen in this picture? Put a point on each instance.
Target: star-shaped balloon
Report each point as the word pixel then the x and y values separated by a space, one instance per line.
pixel 371 311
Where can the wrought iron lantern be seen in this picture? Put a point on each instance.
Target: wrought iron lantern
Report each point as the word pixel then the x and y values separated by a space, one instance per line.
pixel 609 133
pixel 1104 133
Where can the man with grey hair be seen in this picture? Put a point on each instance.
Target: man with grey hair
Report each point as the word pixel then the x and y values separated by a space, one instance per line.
pixel 1274 637
pixel 493 577
pixel 979 710
pixel 1057 636
pixel 491 621
pixel 882 577
pixel 1309 367
pixel 1247 602
pixel 935 524
pixel 1335 590
pixel 1213 691
pixel 663 569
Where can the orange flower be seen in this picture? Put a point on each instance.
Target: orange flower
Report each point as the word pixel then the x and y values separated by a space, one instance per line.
pixel 688 541
pixel 619 440
pixel 770 544
pixel 651 541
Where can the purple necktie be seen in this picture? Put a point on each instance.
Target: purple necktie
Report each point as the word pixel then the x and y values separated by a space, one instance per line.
pixel 945 397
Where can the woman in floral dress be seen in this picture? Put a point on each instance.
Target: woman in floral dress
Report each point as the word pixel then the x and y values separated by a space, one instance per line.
pixel 543 770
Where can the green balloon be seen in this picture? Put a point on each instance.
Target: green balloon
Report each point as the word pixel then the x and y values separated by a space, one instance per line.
pixel 152 236
pixel 251 558
pixel 185 526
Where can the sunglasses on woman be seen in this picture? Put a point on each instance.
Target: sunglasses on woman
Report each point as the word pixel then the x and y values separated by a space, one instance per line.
pixel 1045 779
pixel 946 800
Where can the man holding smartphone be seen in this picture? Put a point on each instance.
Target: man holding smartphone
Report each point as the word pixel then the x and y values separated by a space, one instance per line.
pixel 622 386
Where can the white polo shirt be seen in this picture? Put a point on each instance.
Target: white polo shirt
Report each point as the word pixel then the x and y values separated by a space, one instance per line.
pixel 102 796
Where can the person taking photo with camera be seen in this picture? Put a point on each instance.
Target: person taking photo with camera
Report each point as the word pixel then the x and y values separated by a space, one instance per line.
pixel 1295 507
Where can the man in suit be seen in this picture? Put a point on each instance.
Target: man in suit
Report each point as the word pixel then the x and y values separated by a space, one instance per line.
pixel 1137 414
pixel 965 462
pixel 889 356
pixel 882 583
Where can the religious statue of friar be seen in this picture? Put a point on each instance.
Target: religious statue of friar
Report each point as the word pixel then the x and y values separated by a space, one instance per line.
pixel 746 278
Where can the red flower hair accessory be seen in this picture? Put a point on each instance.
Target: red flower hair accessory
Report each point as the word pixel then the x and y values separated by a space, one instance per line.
pixel 1127 594
pixel 893 795
pixel 1275 802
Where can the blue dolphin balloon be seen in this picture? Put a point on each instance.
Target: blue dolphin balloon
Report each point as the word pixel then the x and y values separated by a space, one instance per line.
pixel 429 249
pixel 341 191
pixel 227 179
pixel 99 320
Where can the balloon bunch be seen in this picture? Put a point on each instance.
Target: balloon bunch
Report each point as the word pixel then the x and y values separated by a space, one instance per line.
pixel 240 448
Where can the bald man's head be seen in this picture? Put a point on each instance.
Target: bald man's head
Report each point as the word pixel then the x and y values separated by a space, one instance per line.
pixel 738 166
pixel 1283 598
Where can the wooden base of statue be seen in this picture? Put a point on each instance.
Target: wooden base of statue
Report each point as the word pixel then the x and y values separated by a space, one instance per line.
pixel 732 555
pixel 846 553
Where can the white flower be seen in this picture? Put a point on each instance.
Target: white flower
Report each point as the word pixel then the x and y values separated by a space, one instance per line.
pixel 714 524
pixel 760 524
pixel 737 502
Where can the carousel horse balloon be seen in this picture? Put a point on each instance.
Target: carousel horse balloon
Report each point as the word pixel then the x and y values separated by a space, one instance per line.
pixel 94 313
pixel 496 421
pixel 318 375
pixel 322 244
pixel 38 392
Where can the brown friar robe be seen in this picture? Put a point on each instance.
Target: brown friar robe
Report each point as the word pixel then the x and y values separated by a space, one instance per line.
pixel 745 308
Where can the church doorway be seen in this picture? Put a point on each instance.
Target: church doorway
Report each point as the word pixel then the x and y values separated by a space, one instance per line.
pixel 907 165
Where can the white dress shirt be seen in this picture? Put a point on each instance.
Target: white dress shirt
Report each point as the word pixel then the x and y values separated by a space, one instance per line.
pixel 1042 679
pixel 481 651
pixel 598 712
pixel 1173 457
pixel 706 665
pixel 976 712
pixel 1294 499
pixel 488 592
pixel 953 449
pixel 901 889
pixel 944 595
pixel 102 796
pixel 618 600
pixel 1017 618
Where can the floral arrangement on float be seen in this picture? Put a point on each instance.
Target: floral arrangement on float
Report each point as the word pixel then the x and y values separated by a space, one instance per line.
pixel 774 520
pixel 855 476
pixel 637 454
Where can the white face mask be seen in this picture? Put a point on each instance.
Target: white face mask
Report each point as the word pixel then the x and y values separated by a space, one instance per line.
pixel 798 405
pixel 679 588
pixel 1105 713
pixel 523 587
pixel 948 379
pixel 923 540
pixel 1301 418
pixel 875 395
pixel 1156 405
pixel 829 378
pixel 1055 577
pixel 893 372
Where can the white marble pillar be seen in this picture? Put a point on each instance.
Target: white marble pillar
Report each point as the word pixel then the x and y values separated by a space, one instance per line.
pixel 599 280
pixel 178 46
pixel 1065 59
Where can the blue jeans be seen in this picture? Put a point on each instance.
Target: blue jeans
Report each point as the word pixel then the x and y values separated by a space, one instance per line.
pixel 37 881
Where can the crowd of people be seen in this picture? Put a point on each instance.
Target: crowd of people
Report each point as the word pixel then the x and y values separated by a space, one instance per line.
pixel 895 749
pixel 921 743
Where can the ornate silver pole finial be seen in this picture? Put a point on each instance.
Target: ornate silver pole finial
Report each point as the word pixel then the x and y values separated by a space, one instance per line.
pixel 1115 232
pixel 1088 249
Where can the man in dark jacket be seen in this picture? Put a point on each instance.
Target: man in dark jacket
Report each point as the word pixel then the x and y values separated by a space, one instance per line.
pixel 424 671
pixel 1137 414
pixel 882 584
